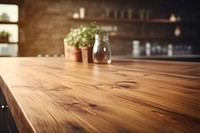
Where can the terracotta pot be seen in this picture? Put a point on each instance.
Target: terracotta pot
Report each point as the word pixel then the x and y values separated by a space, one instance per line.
pixel 72 53
pixel 4 39
pixel 77 55
pixel 87 54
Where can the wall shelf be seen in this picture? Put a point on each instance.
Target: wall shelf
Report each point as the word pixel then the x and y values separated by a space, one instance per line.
pixel 161 31
pixel 129 36
pixel 143 21
pixel 175 3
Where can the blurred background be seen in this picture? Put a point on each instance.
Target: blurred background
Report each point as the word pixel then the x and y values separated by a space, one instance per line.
pixel 139 29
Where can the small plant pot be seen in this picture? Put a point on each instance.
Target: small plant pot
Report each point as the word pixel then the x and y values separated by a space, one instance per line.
pixel 77 55
pixel 87 54
pixel 72 54
pixel 4 39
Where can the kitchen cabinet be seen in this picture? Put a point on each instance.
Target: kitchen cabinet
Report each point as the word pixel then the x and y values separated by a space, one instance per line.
pixel 7 124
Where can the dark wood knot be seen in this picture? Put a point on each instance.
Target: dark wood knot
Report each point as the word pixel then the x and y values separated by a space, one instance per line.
pixel 126 85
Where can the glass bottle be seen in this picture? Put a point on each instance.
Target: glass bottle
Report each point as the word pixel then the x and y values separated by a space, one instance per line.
pixel 101 49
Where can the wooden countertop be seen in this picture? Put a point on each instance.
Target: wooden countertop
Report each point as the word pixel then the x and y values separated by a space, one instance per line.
pixel 50 95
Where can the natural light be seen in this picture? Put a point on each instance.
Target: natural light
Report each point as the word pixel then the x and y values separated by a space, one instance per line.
pixel 10 10
pixel 9 16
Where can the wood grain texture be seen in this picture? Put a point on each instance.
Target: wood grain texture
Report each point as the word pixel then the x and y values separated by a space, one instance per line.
pixel 50 95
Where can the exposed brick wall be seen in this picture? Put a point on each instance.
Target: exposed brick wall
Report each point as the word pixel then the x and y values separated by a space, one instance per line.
pixel 45 27
pixel 46 24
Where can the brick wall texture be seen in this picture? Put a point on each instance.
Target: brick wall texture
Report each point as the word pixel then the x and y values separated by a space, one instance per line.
pixel 46 24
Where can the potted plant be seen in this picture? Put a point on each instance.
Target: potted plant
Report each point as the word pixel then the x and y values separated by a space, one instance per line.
pixel 87 40
pixel 71 46
pixel 142 13
pixel 4 36
pixel 82 38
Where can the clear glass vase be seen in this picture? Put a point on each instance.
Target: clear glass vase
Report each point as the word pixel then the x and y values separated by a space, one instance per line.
pixel 101 49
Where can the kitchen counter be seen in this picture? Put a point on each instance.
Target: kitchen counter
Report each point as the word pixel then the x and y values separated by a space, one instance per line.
pixel 50 95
